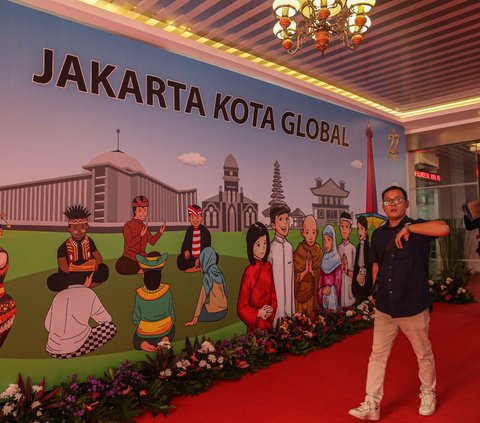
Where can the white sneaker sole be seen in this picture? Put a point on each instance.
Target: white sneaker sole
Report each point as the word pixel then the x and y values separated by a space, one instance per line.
pixel 374 418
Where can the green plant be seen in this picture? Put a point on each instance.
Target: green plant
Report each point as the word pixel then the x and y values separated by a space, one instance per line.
pixel 452 251
pixel 450 284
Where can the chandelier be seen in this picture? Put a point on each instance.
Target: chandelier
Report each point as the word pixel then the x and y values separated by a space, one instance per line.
pixel 320 20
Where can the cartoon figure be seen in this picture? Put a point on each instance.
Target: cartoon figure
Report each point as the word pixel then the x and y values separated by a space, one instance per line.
pixel 135 238
pixel 214 289
pixel 197 237
pixel 257 301
pixel 307 267
pixel 153 314
pixel 7 304
pixel 67 321
pixel 362 270
pixel 3 217
pixel 78 253
pixel 347 252
pixel 329 287
pixel 281 259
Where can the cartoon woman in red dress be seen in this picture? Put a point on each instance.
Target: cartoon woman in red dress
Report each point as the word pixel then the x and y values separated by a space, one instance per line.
pixel 7 303
pixel 257 301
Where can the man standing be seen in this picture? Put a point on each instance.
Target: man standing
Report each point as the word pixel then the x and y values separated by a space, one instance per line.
pixel 281 259
pixel 136 236
pixel 399 252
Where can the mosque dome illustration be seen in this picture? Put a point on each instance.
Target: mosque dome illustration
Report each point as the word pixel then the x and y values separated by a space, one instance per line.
pixel 106 186
pixel 117 158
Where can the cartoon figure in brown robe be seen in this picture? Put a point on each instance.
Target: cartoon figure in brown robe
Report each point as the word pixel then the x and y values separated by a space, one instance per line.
pixel 307 267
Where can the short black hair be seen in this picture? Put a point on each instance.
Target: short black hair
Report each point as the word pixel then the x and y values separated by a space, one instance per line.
pixel 76 211
pixel 277 210
pixel 152 279
pixel 392 188
pixel 254 232
pixel 363 221
pixel 77 278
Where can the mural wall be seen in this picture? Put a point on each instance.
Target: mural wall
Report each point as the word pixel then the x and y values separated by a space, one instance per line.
pixel 146 196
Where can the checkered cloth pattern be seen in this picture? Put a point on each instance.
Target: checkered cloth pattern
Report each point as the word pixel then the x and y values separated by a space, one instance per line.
pixel 99 336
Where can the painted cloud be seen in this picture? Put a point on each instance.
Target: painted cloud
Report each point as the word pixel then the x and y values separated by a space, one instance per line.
pixel 357 164
pixel 192 159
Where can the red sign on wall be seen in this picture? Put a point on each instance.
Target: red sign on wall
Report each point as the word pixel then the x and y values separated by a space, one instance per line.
pixel 427 175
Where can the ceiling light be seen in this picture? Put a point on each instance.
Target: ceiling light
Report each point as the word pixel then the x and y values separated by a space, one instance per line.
pixel 302 20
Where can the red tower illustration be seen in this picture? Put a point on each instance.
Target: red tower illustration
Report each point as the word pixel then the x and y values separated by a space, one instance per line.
pixel 371 208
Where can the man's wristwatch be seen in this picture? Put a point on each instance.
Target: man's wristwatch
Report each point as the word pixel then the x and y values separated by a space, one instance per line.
pixel 407 227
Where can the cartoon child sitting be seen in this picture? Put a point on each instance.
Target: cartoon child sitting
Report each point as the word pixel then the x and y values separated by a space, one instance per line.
pixel 197 238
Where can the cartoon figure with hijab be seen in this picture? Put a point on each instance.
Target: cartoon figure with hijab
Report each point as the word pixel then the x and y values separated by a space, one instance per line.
pixel 212 301
pixel 329 287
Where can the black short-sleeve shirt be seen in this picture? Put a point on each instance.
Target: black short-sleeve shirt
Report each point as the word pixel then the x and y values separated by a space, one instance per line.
pixel 403 273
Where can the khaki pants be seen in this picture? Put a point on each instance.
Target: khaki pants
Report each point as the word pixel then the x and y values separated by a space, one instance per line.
pixel 384 333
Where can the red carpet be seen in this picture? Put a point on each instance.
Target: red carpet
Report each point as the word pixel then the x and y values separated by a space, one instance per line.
pixel 325 384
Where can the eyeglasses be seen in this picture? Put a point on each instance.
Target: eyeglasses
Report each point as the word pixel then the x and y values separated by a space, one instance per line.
pixel 393 201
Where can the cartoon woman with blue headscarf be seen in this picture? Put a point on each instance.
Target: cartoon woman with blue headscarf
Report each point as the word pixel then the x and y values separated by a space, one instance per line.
pixel 212 302
pixel 330 283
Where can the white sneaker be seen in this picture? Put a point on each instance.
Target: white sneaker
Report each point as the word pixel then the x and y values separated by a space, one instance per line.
pixel 366 411
pixel 428 403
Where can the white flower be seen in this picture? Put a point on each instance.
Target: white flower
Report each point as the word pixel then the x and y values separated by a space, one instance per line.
pixel 36 404
pixel 220 360
pixel 7 409
pixel 37 388
pixel 448 280
pixel 39 413
pixel 430 282
pixel 165 344
pixel 349 313
pixel 362 306
pixel 209 366
pixel 206 347
pixel 202 363
pixel 166 373
pixel 183 364
pixel 212 358
pixel 18 396
pixel 308 334
pixel 10 391
pixel 442 287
